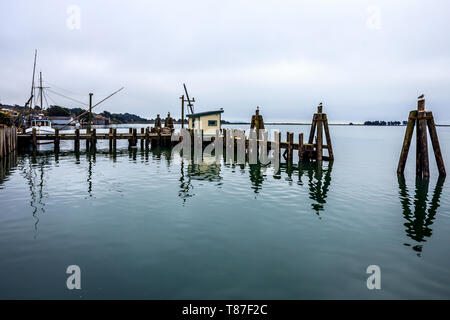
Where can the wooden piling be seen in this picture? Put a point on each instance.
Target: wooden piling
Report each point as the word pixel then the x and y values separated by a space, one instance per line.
pixel 290 149
pixel 422 119
pixel 56 143
pixel 422 162
pixel 77 140
pixel 319 141
pixel 407 141
pixel 435 143
pixel 313 129
pixel 300 147
pixel 147 137
pixel 134 137
pixel 328 137
pixel 142 139
pixel 110 139
pixel 93 140
pixel 114 139
pixel 2 142
pixel 34 139
pixel 130 140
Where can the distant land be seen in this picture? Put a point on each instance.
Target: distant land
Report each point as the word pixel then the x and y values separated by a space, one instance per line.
pixel 124 118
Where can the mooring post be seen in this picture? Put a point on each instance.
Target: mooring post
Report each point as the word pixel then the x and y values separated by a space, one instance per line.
pixel 159 137
pixel 279 147
pixel 422 119
pixel 114 139
pixel 110 139
pixel 201 138
pixel 90 113
pixel 191 132
pixel 88 140
pixel 56 143
pixel 313 129
pixel 328 137
pixel 147 137
pixel 407 141
pixel 77 140
pixel 289 146
pixel 422 162
pixel 94 140
pixel 34 139
pixel 142 138
pixel 300 147
pixel 134 137
pixel 319 141
pixel 130 139
pixel 435 143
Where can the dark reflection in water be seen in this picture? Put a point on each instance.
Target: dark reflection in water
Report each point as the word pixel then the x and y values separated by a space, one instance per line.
pixel 419 219
pixel 318 180
pixel 90 157
pixel 34 174
pixel 7 166
pixel 316 177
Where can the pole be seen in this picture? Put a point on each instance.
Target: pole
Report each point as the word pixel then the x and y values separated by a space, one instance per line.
pixel 90 112
pixel 32 80
pixel 182 111
pixel 41 88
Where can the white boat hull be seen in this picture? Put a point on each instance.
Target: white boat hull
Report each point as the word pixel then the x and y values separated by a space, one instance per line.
pixel 41 130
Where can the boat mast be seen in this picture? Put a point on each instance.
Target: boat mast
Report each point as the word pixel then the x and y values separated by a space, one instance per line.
pixel 41 88
pixel 32 80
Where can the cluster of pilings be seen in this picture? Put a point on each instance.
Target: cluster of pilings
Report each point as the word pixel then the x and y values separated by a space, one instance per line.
pixel 8 140
pixel 421 119
pixel 310 151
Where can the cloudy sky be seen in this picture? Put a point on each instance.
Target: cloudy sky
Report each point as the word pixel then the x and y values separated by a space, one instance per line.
pixel 363 59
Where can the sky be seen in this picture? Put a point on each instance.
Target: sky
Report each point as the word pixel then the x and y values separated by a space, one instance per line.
pixel 365 60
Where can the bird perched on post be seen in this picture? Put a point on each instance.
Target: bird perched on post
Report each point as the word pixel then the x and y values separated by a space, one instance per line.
pixel 421 96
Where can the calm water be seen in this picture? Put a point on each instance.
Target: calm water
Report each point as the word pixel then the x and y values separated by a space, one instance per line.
pixel 143 225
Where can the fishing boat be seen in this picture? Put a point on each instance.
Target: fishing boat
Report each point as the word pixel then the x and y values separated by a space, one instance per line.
pixel 42 124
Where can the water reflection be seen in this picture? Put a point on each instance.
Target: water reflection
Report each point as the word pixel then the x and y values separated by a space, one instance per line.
pixel 207 171
pixel 7 166
pixel 34 173
pixel 420 219
pixel 318 180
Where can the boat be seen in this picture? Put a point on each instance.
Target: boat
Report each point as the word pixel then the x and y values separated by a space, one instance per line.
pixel 42 124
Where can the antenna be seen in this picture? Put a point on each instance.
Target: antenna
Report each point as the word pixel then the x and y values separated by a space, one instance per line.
pixel 191 106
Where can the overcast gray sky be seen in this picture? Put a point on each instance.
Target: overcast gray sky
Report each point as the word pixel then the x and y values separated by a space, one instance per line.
pixel 363 59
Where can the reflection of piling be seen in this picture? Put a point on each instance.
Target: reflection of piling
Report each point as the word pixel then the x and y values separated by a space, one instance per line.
pixel 422 119
pixel 418 212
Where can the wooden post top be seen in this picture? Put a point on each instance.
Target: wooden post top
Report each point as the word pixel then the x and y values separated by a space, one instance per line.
pixel 421 103
pixel 319 108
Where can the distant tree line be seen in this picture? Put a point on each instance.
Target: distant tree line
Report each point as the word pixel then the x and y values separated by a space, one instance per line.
pixel 58 111
pixel 384 123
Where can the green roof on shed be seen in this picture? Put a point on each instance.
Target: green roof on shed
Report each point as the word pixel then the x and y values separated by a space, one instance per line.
pixel 201 114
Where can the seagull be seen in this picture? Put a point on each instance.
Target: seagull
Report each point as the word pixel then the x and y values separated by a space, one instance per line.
pixel 421 96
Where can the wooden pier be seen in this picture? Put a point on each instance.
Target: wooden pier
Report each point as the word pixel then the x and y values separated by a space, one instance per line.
pixel 162 137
